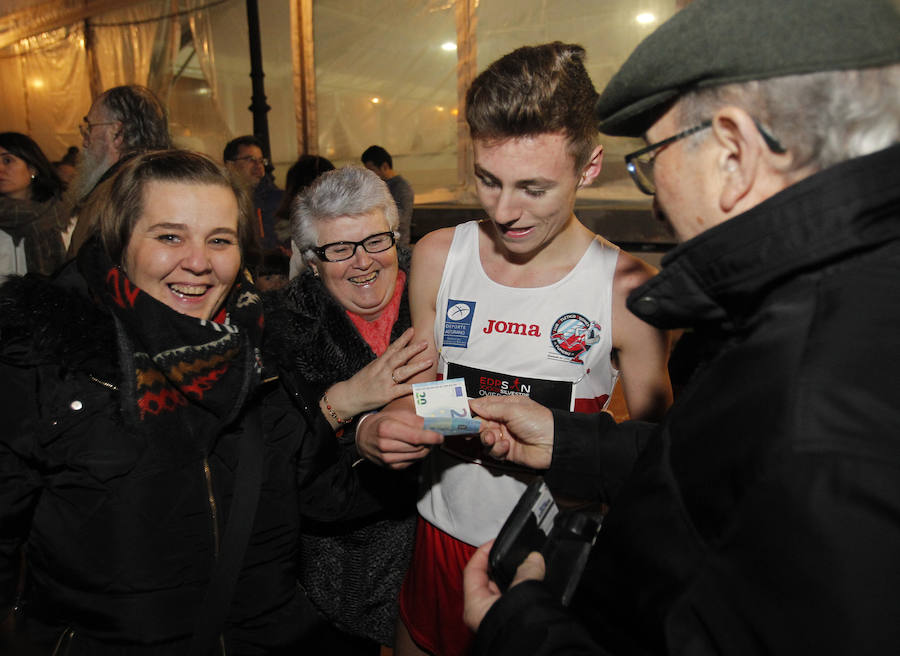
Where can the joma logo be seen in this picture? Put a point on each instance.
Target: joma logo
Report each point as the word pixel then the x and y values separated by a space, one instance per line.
pixel 512 328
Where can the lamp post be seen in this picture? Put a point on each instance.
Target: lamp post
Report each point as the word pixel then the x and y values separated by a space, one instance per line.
pixel 258 106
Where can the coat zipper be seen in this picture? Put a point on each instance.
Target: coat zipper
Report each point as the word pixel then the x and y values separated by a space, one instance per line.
pixel 213 510
pixel 102 382
pixel 214 515
pixel 64 642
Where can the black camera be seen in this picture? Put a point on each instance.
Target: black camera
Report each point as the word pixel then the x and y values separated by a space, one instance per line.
pixel 563 537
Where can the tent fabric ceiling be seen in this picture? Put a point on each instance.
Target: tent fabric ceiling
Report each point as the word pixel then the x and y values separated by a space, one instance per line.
pixel 20 19
pixel 363 51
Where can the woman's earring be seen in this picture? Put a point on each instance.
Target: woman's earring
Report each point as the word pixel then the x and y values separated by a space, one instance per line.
pixel 314 270
pixel 33 176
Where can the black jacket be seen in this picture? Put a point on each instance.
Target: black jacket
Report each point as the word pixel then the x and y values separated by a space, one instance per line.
pixel 309 333
pixel 763 515
pixel 121 528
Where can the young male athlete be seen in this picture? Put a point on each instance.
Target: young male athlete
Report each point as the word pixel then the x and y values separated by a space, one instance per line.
pixel 530 302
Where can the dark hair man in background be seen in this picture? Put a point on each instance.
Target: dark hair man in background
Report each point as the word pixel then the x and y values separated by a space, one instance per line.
pixel 762 516
pixel 244 157
pixel 121 123
pixel 377 159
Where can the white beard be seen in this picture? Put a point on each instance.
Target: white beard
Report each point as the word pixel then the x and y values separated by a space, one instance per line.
pixel 88 172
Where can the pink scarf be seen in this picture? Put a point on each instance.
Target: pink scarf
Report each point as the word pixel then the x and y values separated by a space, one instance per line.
pixel 377 333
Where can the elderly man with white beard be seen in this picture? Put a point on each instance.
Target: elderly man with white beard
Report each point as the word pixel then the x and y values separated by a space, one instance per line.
pixel 122 122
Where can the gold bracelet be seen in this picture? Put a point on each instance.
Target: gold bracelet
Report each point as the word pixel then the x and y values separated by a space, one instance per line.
pixel 331 411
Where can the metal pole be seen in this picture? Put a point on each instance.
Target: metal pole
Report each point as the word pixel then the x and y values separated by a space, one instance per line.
pixel 304 74
pixel 258 105
pixel 466 70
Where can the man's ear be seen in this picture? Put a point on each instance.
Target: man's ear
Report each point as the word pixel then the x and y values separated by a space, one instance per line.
pixel 740 159
pixel 592 169
pixel 118 137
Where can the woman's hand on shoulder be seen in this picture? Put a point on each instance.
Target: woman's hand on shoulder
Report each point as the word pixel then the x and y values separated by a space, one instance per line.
pixel 383 379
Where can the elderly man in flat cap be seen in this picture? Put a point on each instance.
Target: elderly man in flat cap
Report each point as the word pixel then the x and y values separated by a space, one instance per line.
pixel 762 516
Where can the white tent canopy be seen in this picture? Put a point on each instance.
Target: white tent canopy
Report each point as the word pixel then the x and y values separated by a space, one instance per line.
pixel 340 74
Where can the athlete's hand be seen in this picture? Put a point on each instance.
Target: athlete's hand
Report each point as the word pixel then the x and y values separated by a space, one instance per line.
pixel 395 438
pixel 480 592
pixel 516 429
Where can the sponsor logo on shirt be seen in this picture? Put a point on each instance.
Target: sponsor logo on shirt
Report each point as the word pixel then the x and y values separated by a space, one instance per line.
pixel 458 323
pixel 482 382
pixel 572 336
pixel 512 328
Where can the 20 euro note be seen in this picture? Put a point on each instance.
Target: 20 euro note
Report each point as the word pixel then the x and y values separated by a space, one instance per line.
pixel 445 407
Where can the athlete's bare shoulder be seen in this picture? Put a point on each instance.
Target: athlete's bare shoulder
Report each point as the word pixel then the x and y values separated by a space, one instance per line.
pixel 430 252
pixel 427 267
pixel 435 244
pixel 631 272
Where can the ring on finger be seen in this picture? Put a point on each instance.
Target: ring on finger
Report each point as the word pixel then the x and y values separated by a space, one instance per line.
pixel 394 378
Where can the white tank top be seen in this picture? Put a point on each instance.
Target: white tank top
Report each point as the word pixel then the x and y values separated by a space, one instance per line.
pixel 551 343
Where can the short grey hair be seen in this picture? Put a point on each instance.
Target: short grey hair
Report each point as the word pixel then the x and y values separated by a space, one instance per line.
pixel 822 119
pixel 350 191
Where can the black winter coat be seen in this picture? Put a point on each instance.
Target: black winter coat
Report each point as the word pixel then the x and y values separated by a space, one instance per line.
pixel 122 528
pixel 309 333
pixel 763 515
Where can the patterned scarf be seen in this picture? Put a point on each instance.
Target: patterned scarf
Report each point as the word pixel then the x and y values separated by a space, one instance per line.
pixel 176 368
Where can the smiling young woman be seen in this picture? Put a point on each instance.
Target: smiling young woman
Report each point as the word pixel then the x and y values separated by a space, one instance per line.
pixel 139 407
pixel 184 248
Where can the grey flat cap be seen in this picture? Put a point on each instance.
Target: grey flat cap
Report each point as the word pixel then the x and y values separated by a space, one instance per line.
pixel 714 42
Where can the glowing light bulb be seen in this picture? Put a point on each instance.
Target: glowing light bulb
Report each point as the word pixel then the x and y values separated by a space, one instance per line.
pixel 448 46
pixel 645 18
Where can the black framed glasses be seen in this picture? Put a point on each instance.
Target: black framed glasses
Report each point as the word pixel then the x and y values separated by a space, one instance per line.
pixel 640 162
pixel 253 160
pixel 344 250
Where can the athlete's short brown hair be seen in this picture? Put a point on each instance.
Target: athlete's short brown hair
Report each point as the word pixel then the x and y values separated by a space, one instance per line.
pixel 536 90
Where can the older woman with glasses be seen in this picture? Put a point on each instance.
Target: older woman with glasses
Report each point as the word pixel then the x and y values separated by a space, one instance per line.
pixel 344 325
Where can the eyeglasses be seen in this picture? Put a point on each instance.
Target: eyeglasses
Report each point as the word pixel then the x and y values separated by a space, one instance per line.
pixel 640 162
pixel 253 160
pixel 344 250
pixel 86 126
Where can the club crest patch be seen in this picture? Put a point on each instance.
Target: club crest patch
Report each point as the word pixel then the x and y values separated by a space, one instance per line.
pixel 573 335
